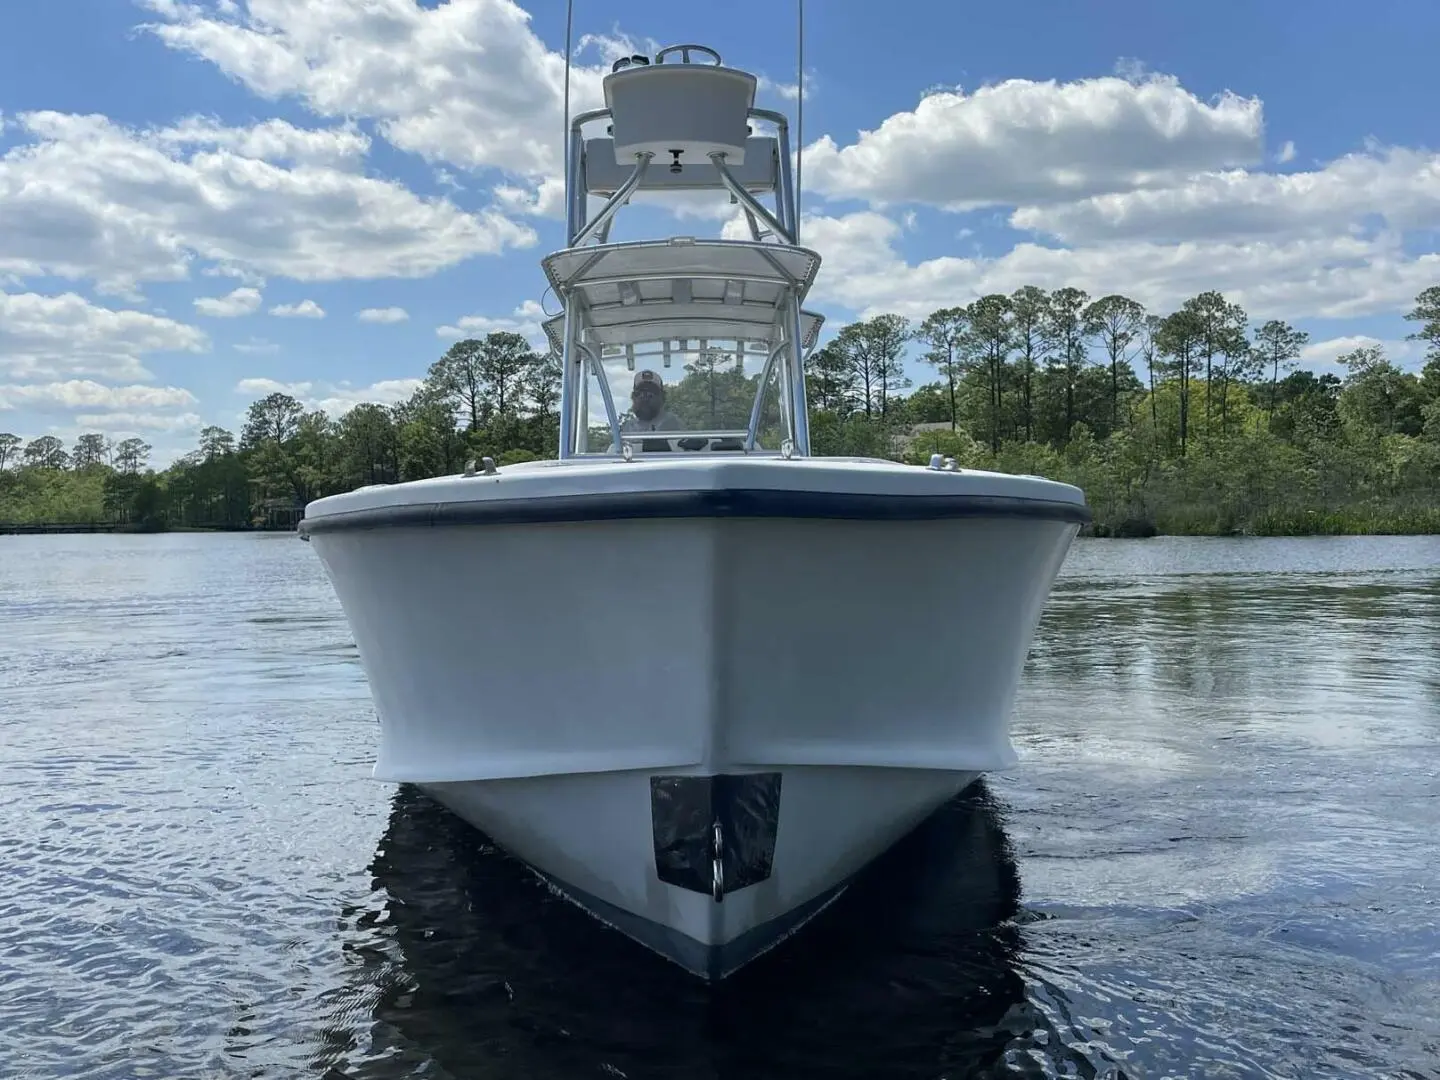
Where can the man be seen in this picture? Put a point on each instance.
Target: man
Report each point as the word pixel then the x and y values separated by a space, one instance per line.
pixel 648 413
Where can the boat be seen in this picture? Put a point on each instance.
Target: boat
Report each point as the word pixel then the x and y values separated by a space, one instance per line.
pixel 448 919
pixel 693 675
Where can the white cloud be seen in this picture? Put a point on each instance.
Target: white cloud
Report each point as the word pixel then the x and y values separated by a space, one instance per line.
pixel 1397 186
pixel 1137 177
pixel 1146 182
pixel 238 273
pixel 241 301
pixel 342 399
pixel 58 337
pixel 264 387
pixel 1323 355
pixel 383 315
pixel 1334 277
pixel 87 198
pixel 612 46
pixel 256 347
pixel 1021 141
pixel 334 399
pixel 305 309
pixel 88 394
pixel 1131 68
pixel 789 91
pixel 128 423
pixel 525 320
pixel 466 83
pixel 272 140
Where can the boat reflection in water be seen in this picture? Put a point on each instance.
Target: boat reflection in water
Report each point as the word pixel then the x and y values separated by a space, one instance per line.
pixel 479 967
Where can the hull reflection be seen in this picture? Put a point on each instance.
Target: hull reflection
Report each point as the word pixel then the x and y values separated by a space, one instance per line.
pixel 477 966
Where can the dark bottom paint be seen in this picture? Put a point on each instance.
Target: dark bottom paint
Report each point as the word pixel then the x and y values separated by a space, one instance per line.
pixel 686 812
pixel 711 962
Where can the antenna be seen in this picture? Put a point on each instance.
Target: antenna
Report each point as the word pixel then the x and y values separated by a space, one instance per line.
pixel 799 112
pixel 565 138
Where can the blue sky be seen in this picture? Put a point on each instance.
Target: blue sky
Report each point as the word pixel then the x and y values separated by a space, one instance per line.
pixel 200 198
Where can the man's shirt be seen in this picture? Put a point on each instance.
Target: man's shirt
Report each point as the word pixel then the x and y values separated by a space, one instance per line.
pixel 666 421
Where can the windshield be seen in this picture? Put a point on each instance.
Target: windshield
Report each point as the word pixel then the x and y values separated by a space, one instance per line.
pixel 683 395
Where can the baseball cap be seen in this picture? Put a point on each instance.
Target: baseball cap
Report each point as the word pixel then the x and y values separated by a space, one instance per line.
pixel 649 380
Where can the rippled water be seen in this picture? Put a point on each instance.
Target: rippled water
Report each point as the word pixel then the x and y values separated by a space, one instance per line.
pixel 1217 858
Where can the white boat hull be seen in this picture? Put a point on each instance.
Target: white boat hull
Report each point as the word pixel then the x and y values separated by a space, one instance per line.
pixel 574 686
pixel 591 837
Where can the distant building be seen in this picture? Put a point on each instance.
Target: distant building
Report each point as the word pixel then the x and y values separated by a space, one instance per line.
pixel 904 440
pixel 279 513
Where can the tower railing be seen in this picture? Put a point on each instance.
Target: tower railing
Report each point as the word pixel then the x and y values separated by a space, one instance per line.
pixel 581 228
pixel 736 161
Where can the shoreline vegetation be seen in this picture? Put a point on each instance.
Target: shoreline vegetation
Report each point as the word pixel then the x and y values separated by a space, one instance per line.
pixel 1193 423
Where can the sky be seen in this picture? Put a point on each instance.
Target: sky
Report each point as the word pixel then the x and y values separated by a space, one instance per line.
pixel 202 201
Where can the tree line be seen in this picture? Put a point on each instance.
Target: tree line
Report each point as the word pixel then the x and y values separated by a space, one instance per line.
pixel 1193 421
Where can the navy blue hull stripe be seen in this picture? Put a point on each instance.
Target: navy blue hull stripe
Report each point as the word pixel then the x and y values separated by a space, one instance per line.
pixel 722 503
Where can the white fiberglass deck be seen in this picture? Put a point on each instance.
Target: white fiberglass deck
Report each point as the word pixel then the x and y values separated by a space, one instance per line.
pixel 680 473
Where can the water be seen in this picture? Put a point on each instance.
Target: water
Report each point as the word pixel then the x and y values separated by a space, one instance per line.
pixel 1217 858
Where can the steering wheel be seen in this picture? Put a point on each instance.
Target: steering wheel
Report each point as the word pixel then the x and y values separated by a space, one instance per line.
pixel 685 51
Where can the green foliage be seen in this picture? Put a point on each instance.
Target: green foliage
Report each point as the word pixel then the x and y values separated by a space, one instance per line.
pixel 1216 434
pixel 865 359
pixel 34 495
pixel 1186 422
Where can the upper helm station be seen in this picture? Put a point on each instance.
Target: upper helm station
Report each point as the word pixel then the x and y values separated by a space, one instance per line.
pixel 718 324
